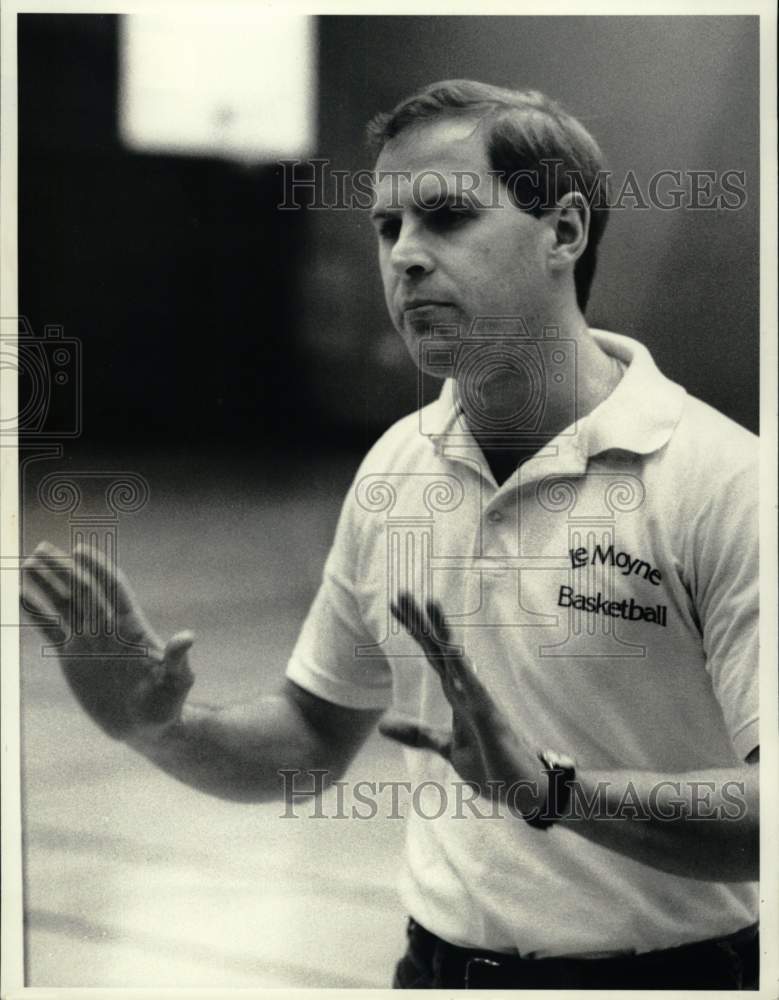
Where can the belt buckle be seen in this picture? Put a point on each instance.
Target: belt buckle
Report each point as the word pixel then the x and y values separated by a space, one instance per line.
pixel 479 963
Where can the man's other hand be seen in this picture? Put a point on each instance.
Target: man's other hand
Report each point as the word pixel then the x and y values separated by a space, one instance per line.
pixel 131 693
pixel 482 745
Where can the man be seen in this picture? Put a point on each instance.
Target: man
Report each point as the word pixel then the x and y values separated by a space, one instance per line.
pixel 570 541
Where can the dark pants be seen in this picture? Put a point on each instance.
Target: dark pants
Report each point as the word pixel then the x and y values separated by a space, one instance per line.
pixel 729 963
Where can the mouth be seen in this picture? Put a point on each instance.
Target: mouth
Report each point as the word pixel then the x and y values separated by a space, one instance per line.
pixel 419 305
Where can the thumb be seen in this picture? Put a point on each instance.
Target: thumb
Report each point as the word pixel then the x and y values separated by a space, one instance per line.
pixel 416 736
pixel 175 659
pixel 158 701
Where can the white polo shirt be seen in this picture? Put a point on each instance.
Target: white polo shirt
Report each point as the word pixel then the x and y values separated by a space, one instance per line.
pixel 607 594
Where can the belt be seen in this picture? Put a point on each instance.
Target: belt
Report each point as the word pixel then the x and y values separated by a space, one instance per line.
pixel 726 963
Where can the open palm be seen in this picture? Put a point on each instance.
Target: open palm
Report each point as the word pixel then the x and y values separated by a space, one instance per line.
pixel 482 745
pixel 125 678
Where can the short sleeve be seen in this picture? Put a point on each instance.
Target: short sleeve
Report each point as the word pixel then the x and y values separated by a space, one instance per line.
pixel 326 660
pixel 726 593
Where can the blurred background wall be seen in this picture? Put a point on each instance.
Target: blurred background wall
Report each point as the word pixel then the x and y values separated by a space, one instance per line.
pixel 207 315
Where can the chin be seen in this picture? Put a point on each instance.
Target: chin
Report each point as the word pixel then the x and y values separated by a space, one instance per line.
pixel 417 355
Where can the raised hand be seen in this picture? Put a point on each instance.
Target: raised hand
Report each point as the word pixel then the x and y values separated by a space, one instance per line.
pixel 482 746
pixel 127 694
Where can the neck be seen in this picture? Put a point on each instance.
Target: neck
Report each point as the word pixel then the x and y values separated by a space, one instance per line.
pixel 535 389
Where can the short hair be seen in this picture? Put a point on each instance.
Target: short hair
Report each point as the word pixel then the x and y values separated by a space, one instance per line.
pixel 526 134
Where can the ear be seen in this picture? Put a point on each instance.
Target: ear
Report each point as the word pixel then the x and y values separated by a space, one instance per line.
pixel 570 222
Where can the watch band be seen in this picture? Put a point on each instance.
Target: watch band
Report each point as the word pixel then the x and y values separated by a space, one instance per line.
pixel 560 772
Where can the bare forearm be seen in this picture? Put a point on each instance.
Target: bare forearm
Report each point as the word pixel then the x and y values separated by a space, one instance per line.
pixel 702 825
pixel 236 752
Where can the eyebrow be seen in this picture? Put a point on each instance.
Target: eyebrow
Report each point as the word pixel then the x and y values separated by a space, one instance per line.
pixel 428 205
pixel 441 201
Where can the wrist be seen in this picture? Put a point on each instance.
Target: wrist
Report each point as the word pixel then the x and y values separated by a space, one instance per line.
pixel 150 738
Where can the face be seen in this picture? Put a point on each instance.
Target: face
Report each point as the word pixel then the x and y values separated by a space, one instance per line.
pixel 452 247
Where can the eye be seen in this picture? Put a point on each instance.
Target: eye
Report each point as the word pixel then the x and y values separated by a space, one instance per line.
pixel 450 216
pixel 389 229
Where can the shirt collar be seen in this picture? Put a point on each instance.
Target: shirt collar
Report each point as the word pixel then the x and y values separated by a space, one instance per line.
pixel 639 416
pixel 642 412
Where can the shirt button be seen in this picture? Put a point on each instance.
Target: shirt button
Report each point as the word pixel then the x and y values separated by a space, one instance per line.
pixel 495 516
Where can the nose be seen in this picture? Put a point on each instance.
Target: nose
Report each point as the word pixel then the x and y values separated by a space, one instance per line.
pixel 411 255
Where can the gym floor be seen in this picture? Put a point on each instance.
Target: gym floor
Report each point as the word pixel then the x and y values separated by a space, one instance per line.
pixel 131 878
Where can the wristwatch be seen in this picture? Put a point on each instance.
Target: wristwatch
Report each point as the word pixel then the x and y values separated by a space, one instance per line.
pixel 560 771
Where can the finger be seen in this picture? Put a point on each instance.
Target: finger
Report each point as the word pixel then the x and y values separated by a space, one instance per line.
pixel 404 610
pixel 440 632
pixel 406 613
pixel 34 603
pixel 430 626
pixel 72 589
pixel 418 625
pixel 461 686
pixel 88 560
pixel 418 737
pixel 452 663
pixel 45 547
pixel 111 577
pixel 442 658
pixel 58 561
pixel 159 701
pixel 50 580
pixel 91 613
pixel 440 628
pixel 119 594
pixel 456 661
pixel 175 659
pixel 71 592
